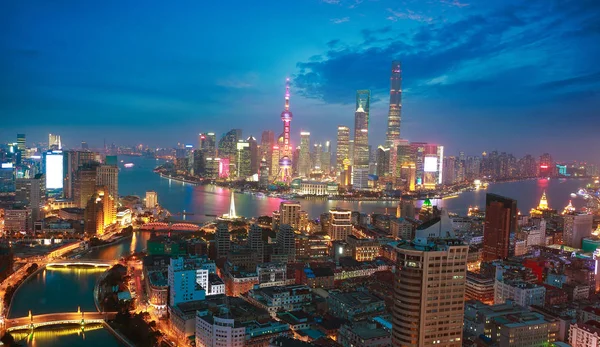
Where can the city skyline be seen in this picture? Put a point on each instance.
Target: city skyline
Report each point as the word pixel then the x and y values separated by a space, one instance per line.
pixel 501 76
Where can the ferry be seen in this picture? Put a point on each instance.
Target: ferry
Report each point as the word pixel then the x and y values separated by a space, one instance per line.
pixel 128 165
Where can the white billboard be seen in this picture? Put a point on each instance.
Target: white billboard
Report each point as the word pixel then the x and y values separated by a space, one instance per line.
pixel 54 171
pixel 430 164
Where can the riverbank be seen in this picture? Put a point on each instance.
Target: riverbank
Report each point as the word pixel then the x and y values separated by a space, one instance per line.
pixel 17 287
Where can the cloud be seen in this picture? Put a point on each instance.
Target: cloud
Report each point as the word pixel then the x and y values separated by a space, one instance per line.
pixel 331 2
pixel 475 54
pixel 248 80
pixel 455 3
pixel 395 15
pixel 340 20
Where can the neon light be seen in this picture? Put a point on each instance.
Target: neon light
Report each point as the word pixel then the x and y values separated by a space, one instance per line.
pixel 543 166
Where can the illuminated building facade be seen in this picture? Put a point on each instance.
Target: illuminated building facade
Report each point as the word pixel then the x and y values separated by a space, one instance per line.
pixel 394 114
pixel 100 212
pixel 54 171
pixel 207 144
pixel 343 147
pixel 304 165
pixel 547 166
pixel 285 162
pixel 54 142
pixel 340 226
pixel 361 138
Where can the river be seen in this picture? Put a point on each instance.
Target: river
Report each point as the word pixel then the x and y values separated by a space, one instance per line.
pixel 213 200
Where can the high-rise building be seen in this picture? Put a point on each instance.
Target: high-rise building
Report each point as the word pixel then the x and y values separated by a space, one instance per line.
pixel 151 199
pixel 394 114
pixel 383 161
pixel 222 240
pixel 275 156
pixel 340 224
pixel 285 161
pixel 108 176
pixel 363 100
pixel 304 165
pixel 54 171
pixel 243 160
pixel 228 148
pixel 326 158
pixel 254 155
pixel 317 153
pixel 547 166
pixel 54 142
pixel 100 212
pixel 576 227
pixel 286 241
pixel 207 144
pixel 361 139
pixel 7 178
pixel 263 177
pixel 500 222
pixel 84 145
pixel 30 191
pixel 256 243
pixel 21 147
pixel 289 213
pixel 84 185
pixel 267 141
pixel 73 161
pixel 428 306
pixel 183 281
pixel 342 147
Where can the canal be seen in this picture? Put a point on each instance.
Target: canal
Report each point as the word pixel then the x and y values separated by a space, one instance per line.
pixel 57 289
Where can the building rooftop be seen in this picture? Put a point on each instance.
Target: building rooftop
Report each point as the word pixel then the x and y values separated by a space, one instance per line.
pixel 357 298
pixel 367 331
pixel 158 278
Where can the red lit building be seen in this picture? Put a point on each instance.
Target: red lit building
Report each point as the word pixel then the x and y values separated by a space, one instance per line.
pixel 500 222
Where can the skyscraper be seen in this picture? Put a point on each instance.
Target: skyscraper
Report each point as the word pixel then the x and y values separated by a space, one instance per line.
pixel 30 191
pixel 255 242
pixel 222 240
pixel 21 147
pixel 340 223
pixel 304 167
pixel 228 150
pixel 500 222
pixel 108 176
pixel 363 99
pixel 361 138
pixel 289 213
pixel 254 155
pixel 342 147
pixel 267 141
pixel 286 241
pixel 326 158
pixel 207 144
pixel 54 142
pixel 394 114
pixel 100 212
pixel 243 160
pixel 428 305
pixel 285 162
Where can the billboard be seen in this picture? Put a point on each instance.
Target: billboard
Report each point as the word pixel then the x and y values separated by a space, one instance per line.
pixel 54 171
pixel 430 164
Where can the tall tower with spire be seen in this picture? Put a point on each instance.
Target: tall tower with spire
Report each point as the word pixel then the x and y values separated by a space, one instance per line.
pixel 394 114
pixel 285 162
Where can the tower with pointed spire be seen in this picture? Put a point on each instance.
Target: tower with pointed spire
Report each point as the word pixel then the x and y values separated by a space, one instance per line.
pixel 543 209
pixel 285 162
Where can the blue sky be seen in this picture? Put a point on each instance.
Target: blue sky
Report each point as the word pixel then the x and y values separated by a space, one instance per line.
pixel 517 76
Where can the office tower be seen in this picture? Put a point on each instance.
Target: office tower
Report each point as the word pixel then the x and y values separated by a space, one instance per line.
pixel 547 166
pixel 576 227
pixel 406 166
pixel 342 147
pixel 254 155
pixel 54 170
pixel 383 161
pixel 267 141
pixel 394 114
pixel 363 100
pixel 21 147
pixel 289 213
pixel 286 241
pixel 263 177
pixel 285 163
pixel 275 155
pixel 222 240
pixel 326 158
pixel 317 153
pixel 500 222
pixel 198 163
pixel 243 160
pixel 30 191
pixel 84 145
pixel 84 185
pixel 361 139
pixel 100 212
pixel 256 243
pixel 73 160
pixel 428 305
pixel 7 178
pixel 207 144
pixel 151 199
pixel 108 176
pixel 228 148
pixel 351 151
pixel 340 223
pixel 450 170
pixel 304 165
pixel 360 178
pixel 54 142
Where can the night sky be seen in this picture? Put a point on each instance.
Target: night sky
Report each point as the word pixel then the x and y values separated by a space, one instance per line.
pixel 517 76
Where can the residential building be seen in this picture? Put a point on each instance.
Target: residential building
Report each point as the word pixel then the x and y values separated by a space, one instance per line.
pixel 355 306
pixel 500 222
pixel 340 223
pixel 281 298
